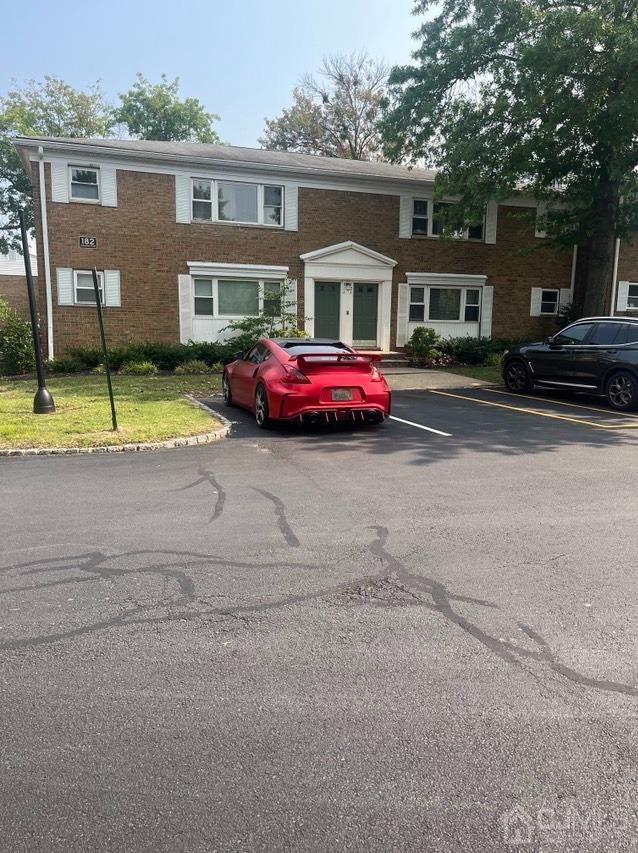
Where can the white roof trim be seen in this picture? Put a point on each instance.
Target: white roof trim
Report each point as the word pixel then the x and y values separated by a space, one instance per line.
pixel 216 270
pixel 450 278
pixel 326 252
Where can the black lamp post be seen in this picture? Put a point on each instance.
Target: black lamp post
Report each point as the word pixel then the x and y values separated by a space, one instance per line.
pixel 43 401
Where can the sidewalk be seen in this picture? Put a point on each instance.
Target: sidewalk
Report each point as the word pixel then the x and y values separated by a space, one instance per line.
pixel 417 379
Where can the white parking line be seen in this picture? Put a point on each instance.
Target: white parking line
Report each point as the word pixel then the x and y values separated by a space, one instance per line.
pixel 420 426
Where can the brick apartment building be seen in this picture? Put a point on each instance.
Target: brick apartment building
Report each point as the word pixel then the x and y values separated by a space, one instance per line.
pixel 13 283
pixel 187 237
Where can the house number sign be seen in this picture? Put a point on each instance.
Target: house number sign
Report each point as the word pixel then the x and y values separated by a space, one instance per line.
pixel 88 242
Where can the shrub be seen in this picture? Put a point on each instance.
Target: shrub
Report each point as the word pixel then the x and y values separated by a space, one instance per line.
pixel 217 367
pixel 16 342
pixel 99 370
pixel 569 314
pixel 424 346
pixel 468 350
pixel 138 368
pixel 85 357
pixel 66 364
pixel 195 365
pixel 493 359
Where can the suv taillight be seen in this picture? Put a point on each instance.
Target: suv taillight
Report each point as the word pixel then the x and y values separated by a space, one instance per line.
pixel 294 376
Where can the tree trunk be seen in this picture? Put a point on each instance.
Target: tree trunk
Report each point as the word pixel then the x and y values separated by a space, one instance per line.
pixel 595 264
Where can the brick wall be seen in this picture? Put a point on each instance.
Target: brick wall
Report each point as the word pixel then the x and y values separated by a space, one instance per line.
pixel 141 238
pixel 13 289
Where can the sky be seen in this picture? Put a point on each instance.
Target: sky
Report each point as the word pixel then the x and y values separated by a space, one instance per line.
pixel 241 58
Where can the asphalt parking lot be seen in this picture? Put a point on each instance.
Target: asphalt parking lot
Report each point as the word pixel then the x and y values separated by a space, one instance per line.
pixel 420 636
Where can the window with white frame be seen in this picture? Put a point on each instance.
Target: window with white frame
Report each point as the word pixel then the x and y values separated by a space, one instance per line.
pixel 632 296
pixel 429 219
pixel 84 183
pixel 444 304
pixel 237 201
pixel 225 297
pixel 83 290
pixel 549 302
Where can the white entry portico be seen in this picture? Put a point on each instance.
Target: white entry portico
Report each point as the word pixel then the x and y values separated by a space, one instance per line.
pixel 346 267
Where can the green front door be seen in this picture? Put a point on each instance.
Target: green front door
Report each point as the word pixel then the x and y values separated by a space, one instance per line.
pixel 364 314
pixel 327 301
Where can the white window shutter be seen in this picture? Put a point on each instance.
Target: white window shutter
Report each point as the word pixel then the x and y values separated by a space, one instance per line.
pixel 291 296
pixel 65 286
pixel 491 218
pixel 541 213
pixel 60 181
pixel 564 297
pixel 535 302
pixel 108 186
pixel 622 302
pixel 487 302
pixel 112 288
pixel 182 198
pixel 291 207
pixel 403 311
pixel 406 209
pixel 186 308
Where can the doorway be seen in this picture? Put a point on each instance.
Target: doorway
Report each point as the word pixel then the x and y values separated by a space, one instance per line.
pixel 365 309
pixel 327 309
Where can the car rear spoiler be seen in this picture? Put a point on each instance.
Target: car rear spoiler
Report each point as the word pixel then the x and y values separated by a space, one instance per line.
pixel 347 359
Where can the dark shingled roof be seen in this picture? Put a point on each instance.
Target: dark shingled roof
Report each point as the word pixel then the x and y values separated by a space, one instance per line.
pixel 195 151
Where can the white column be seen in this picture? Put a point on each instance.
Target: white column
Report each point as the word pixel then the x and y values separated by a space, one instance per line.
pixel 346 308
pixel 309 306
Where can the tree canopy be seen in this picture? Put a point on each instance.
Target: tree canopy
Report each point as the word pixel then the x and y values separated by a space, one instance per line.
pixel 540 95
pixel 155 111
pixel 335 114
pixel 49 108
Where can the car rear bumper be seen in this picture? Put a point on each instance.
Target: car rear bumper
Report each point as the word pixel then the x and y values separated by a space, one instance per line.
pixel 373 407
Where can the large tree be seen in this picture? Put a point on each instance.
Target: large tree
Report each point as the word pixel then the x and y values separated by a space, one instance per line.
pixel 47 108
pixel 540 95
pixel 155 111
pixel 335 114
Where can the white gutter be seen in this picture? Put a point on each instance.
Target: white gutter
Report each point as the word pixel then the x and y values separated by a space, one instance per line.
pixel 614 279
pixel 45 250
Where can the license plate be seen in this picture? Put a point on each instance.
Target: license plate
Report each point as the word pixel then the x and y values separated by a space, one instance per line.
pixel 340 395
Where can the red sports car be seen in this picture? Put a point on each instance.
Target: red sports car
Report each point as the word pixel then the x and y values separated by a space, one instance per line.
pixel 313 381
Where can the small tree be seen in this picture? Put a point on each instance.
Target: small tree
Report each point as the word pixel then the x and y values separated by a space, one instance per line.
pixel 155 111
pixel 279 319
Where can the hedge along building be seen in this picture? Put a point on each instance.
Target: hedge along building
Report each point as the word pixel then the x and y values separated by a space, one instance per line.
pixel 187 237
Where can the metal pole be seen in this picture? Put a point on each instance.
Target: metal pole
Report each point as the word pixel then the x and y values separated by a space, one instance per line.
pixel 43 401
pixel 98 305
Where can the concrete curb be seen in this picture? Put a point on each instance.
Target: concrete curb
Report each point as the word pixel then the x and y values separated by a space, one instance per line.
pixel 140 447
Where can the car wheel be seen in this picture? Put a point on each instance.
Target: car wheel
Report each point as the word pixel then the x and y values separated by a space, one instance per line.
pixel 261 408
pixel 516 377
pixel 227 393
pixel 622 391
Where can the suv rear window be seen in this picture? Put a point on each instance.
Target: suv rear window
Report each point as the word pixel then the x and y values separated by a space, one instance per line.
pixel 628 334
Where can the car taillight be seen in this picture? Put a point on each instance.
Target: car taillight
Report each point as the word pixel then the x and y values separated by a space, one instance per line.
pixel 294 376
pixel 376 376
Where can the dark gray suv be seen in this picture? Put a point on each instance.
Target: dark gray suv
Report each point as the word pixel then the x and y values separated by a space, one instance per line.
pixel 597 354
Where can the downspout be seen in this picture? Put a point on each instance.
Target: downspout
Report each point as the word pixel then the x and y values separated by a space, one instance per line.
pixel 45 251
pixel 614 280
pixel 572 279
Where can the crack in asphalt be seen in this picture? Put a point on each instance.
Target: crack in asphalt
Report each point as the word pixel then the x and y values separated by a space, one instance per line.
pixel 206 476
pixel 442 601
pixel 282 521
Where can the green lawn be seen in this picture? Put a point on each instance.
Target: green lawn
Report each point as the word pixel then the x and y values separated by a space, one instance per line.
pixel 149 408
pixel 489 374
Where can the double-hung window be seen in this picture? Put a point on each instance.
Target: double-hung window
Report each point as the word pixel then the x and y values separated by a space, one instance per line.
pixel 549 302
pixel 83 290
pixel 444 304
pixel 237 201
pixel 84 184
pixel 632 296
pixel 226 297
pixel 430 218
